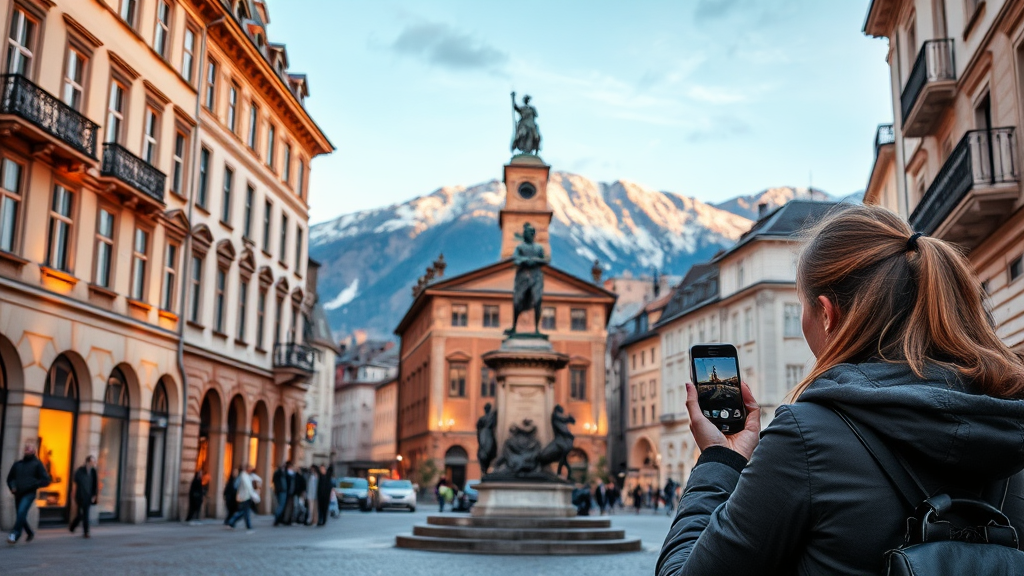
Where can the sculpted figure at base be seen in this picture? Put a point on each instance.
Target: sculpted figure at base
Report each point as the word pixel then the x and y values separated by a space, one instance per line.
pixel 487 446
pixel 520 451
pixel 559 448
pixel 529 283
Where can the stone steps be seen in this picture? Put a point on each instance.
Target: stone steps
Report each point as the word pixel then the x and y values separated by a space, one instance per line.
pixel 518 547
pixel 565 534
pixel 518 522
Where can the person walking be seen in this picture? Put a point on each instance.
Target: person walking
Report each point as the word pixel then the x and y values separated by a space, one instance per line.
pixel 638 498
pixel 325 485
pixel 86 493
pixel 908 371
pixel 231 492
pixel 601 497
pixel 25 477
pixel 441 491
pixel 670 496
pixel 282 487
pixel 247 494
pixel 196 493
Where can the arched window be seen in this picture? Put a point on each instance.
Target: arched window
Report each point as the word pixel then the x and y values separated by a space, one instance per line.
pixel 60 381
pixel 56 436
pixel 159 405
pixel 113 442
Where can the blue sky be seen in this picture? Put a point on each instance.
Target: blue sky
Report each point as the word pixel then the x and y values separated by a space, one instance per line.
pixel 726 368
pixel 707 98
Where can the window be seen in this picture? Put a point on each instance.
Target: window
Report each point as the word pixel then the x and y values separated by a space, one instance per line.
pixel 634 361
pixel 654 417
pixel 204 178
pixel 491 319
pixel 282 254
pixel 293 332
pixel 115 112
pixel 459 314
pixel 794 374
pixel 791 321
pixel 74 79
pixel 277 320
pixel 250 197
pixel 10 202
pixel 254 115
pixel 736 326
pixel 287 168
pixel 740 275
pixel 243 296
pixel 298 248
pixel 652 356
pixel 488 382
pixel 58 251
pixel 632 392
pixel 149 137
pixel 140 255
pixel 643 357
pixel 1016 268
pixel 20 41
pixel 643 391
pixel 270 146
pixel 104 248
pixel 196 286
pixel 218 301
pixel 547 318
pixel 578 319
pixel 701 332
pixel 233 108
pixel 178 163
pixel 170 278
pixel 266 225
pixel 211 85
pixel 128 10
pixel 302 178
pixel 578 384
pixel 163 28
pixel 188 55
pixel 643 415
pixel 457 379
pixel 261 315
pixel 634 416
pixel 748 325
pixel 225 207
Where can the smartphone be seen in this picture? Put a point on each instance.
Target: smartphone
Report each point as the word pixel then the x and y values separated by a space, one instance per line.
pixel 715 369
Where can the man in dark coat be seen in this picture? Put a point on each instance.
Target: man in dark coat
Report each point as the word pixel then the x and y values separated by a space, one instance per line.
pixel 87 489
pixel 298 502
pixel 231 492
pixel 281 484
pixel 196 492
pixel 323 495
pixel 26 476
pixel 601 497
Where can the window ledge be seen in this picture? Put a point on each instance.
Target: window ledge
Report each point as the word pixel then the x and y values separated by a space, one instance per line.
pixel 168 315
pixel 101 291
pixel 13 258
pixel 178 195
pixel 58 275
pixel 226 225
pixel 139 304
pixel 202 208
pixel 241 343
pixel 248 242
pixel 266 253
pixel 220 335
pixel 261 350
pixel 196 325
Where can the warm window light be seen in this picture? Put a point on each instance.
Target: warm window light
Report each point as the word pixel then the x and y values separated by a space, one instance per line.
pixel 451 422
pixel 399 457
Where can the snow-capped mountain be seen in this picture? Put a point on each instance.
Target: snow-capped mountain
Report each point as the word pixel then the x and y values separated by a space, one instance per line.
pixel 372 259
pixel 772 198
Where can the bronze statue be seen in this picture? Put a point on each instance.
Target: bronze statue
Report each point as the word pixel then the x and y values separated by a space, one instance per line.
pixel 529 283
pixel 519 454
pixel 487 446
pixel 559 448
pixel 527 136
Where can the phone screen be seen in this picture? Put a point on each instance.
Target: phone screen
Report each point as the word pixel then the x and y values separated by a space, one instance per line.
pixel 716 375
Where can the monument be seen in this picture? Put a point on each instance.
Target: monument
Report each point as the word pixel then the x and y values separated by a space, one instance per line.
pixel 524 503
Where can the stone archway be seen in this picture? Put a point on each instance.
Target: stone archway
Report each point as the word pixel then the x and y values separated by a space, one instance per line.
pixel 280 437
pixel 209 453
pixel 455 461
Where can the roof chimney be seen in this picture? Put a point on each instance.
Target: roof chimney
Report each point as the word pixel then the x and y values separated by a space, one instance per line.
pixel 596 272
pixel 762 209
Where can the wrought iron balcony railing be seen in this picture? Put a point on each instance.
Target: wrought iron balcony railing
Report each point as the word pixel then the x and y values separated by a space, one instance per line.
pixel 294 355
pixel 132 170
pixel 981 158
pixel 44 110
pixel 884 135
pixel 934 63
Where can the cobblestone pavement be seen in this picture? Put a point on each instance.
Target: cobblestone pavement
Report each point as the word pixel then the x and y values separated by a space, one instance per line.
pixel 355 544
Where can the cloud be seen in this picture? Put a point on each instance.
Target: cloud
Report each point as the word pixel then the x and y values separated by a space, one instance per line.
pixel 720 128
pixel 708 10
pixel 441 45
pixel 347 295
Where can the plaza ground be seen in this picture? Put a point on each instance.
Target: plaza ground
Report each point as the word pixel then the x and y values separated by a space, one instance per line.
pixel 356 544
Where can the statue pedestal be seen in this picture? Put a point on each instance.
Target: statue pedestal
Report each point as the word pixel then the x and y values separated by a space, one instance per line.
pixel 523 500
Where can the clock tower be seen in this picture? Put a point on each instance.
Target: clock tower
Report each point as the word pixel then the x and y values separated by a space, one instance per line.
pixel 526 200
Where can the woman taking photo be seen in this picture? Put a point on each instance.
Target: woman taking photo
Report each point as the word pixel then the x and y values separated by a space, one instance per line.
pixel 906 351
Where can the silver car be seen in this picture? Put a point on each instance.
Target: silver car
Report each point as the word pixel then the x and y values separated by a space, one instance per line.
pixel 396 494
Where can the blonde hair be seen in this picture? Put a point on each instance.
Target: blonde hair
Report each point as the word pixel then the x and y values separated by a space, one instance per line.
pixel 900 302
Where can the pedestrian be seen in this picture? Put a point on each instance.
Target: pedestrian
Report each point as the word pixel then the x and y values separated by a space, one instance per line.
pixel 86 493
pixel 910 382
pixel 26 476
pixel 441 491
pixel 231 491
pixel 196 490
pixel 614 497
pixel 299 498
pixel 654 496
pixel 670 493
pixel 325 487
pixel 247 494
pixel 638 498
pixel 282 487
pixel 312 499
pixel 601 497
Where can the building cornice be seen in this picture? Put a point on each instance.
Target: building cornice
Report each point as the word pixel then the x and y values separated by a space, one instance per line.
pixel 191 348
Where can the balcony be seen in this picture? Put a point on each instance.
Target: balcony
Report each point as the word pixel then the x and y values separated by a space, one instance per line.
pixel 974 191
pixel 293 364
pixel 132 178
pixel 41 118
pixel 930 88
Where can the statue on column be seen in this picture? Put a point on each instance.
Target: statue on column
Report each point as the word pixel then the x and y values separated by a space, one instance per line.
pixel 529 283
pixel 527 135
pixel 559 448
pixel 487 447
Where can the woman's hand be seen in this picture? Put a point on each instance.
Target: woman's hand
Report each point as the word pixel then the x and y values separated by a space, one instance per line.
pixel 706 434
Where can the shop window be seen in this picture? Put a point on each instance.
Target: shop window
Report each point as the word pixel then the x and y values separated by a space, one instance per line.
pixel 113 439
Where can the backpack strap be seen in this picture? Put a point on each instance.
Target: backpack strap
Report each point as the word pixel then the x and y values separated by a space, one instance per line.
pixel 893 467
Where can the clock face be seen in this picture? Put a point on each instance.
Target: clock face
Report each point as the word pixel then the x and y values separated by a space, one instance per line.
pixel 527 190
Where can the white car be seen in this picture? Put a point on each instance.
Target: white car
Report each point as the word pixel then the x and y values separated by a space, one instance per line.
pixel 396 494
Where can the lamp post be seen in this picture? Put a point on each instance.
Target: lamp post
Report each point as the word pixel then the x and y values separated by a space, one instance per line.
pixel 401 467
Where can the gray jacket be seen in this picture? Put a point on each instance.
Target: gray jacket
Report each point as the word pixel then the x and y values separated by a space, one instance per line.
pixel 813 501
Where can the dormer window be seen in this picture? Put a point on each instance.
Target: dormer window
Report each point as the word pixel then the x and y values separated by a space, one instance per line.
pixel 241 10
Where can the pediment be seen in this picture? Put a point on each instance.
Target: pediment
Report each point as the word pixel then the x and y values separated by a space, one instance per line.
pixel 502 279
pixel 458 356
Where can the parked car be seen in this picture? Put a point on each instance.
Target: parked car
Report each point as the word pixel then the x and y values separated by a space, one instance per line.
pixel 396 494
pixel 354 492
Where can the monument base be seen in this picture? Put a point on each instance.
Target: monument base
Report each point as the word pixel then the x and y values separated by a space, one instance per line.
pixel 524 500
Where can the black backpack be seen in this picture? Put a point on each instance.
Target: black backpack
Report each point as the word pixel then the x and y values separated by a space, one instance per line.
pixel 945 535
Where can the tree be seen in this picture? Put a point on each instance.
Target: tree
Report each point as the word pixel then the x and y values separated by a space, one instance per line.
pixel 425 472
